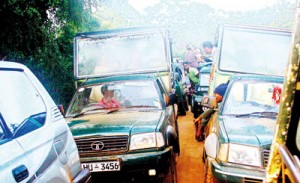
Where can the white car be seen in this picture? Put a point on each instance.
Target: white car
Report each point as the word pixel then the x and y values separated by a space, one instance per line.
pixel 36 144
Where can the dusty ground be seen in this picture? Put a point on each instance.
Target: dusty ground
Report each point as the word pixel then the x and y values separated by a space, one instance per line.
pixel 189 163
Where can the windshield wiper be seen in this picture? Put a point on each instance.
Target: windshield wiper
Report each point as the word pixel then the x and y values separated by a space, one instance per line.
pixel 84 111
pixel 113 110
pixel 142 106
pixel 262 114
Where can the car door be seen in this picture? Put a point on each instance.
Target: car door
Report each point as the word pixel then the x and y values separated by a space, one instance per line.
pixel 14 165
pixel 37 130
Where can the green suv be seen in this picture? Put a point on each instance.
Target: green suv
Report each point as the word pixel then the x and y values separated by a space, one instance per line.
pixel 240 133
pixel 122 115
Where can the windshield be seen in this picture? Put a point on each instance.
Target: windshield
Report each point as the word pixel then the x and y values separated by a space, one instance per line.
pixel 255 49
pixel 120 54
pixel 114 96
pixel 246 97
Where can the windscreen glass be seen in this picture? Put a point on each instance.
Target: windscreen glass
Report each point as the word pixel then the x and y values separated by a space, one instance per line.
pixel 121 95
pixel 254 51
pixel 253 97
pixel 113 55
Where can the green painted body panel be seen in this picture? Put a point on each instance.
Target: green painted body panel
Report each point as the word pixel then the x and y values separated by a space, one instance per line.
pixel 253 131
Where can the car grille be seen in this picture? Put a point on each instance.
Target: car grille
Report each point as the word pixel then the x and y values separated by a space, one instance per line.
pixel 97 145
pixel 266 154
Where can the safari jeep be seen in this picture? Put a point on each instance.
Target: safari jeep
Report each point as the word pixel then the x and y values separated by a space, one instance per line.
pixel 241 130
pixel 136 137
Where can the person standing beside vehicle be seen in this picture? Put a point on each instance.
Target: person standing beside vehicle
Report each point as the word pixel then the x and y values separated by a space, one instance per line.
pixel 193 78
pixel 191 72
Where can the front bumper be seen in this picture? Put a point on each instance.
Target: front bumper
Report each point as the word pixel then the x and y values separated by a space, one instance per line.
pixel 137 163
pixel 236 174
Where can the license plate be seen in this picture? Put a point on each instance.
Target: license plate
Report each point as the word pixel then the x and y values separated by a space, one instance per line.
pixel 102 166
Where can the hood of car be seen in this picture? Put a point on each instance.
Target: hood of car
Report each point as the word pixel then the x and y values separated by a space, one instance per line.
pixel 249 131
pixel 121 122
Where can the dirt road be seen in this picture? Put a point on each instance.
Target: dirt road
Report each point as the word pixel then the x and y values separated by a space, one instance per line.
pixel 189 163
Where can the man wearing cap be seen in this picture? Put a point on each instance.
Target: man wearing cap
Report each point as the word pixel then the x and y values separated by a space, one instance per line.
pixel 203 119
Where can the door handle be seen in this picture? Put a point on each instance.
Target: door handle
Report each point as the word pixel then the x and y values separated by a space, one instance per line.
pixel 20 173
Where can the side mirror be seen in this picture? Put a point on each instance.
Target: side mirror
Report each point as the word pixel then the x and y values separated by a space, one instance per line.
pixel 61 109
pixel 208 101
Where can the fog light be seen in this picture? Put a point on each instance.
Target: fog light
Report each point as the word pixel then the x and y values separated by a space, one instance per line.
pixel 152 172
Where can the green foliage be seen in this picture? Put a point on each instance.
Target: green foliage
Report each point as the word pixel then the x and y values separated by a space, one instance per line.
pixel 40 35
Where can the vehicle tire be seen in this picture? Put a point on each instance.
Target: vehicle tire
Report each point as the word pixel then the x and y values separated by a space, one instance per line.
pixel 171 177
pixel 208 176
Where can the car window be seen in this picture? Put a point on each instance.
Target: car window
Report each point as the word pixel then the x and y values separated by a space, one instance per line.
pixel 21 105
pixel 246 97
pixel 120 95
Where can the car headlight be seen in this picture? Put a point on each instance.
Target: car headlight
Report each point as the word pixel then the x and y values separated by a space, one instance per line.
pixel 247 155
pixel 146 140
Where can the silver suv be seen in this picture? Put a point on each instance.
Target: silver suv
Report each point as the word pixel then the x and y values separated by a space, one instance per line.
pixel 36 144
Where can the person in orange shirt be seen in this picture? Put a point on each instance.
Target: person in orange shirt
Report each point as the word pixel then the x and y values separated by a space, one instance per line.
pixel 108 100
